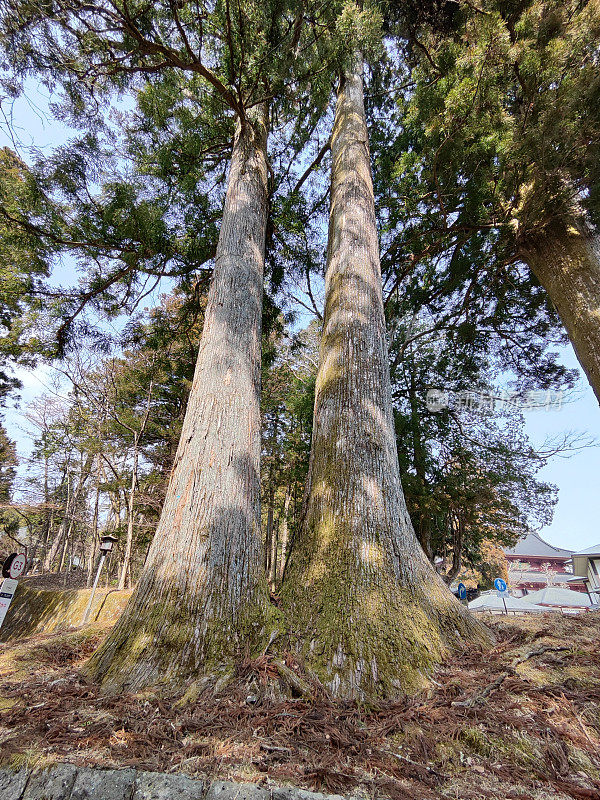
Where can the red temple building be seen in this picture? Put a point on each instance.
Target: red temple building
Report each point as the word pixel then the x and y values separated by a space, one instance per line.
pixel 534 564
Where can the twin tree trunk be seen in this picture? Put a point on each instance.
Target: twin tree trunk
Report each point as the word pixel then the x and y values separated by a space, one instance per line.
pixel 366 610
pixel 368 613
pixel 201 601
pixel 565 258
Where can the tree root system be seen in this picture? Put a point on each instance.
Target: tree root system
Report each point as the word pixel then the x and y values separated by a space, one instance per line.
pixel 523 721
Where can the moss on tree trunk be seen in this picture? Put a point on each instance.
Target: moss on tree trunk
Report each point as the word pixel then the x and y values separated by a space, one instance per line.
pixel 565 258
pixel 367 611
pixel 201 601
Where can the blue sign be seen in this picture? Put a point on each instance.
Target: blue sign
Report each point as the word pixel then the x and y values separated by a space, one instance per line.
pixel 462 591
pixel 500 584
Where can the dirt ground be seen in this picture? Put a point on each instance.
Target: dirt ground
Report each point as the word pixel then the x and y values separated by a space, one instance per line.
pixel 69 579
pixel 519 721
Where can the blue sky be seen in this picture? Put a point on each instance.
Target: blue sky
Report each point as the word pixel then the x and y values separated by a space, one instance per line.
pixel 576 522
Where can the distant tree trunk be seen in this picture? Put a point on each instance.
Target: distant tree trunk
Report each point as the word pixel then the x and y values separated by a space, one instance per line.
pixel 93 555
pixel 201 601
pixel 60 534
pixel 67 522
pixel 48 514
pixel 565 258
pixel 419 458
pixel 272 574
pixel 114 517
pixel 94 542
pixel 48 538
pixel 55 546
pixel 270 538
pixel 457 525
pixel 424 536
pixel 367 611
pixel 284 536
pixel 125 576
pixel 66 544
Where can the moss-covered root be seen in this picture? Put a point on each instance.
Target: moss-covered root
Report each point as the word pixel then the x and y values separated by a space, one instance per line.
pixel 169 643
pixel 380 641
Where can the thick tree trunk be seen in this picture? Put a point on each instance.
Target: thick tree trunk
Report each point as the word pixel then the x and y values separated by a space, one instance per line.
pixel 201 601
pixel 565 258
pixel 367 611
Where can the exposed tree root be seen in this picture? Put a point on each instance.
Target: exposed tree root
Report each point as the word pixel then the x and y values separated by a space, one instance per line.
pixel 536 733
pixel 479 698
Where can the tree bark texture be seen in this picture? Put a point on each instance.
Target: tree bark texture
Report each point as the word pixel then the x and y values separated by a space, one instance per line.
pixel 565 258
pixel 201 601
pixel 368 613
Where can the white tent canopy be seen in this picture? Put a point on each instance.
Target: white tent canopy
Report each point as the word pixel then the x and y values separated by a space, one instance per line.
pixel 559 598
pixel 491 602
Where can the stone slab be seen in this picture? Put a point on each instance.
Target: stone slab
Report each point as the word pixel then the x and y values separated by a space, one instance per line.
pixel 227 790
pixel 98 784
pixel 12 784
pixel 290 793
pixel 54 783
pixel 158 786
pixel 67 782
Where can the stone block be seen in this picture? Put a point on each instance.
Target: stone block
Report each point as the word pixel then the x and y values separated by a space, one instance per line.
pixel 158 786
pixel 12 784
pixel 100 784
pixel 226 790
pixel 54 783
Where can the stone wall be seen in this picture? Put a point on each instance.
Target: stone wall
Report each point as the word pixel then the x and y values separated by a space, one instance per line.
pixel 46 610
pixel 67 782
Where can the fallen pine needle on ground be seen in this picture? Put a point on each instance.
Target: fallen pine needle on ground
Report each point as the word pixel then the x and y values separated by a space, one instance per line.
pixel 521 721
